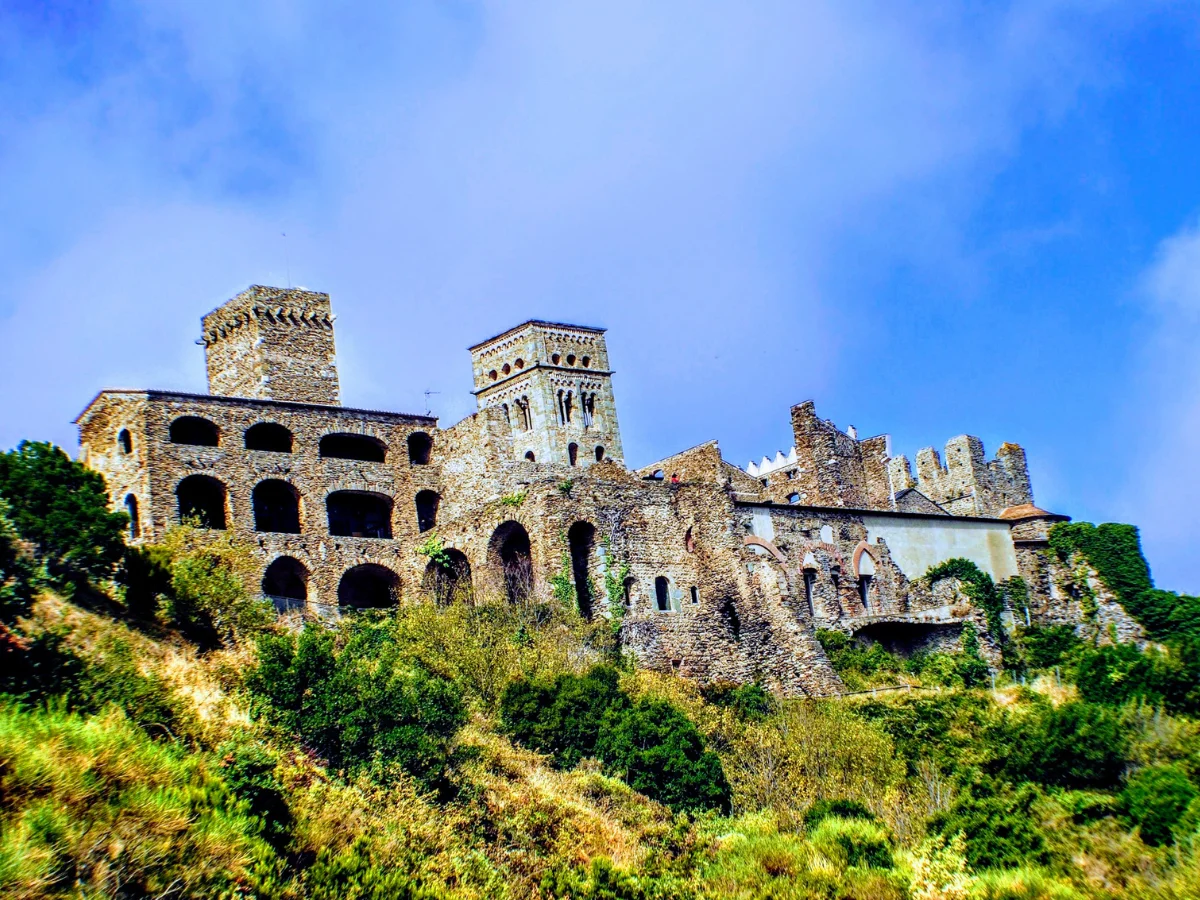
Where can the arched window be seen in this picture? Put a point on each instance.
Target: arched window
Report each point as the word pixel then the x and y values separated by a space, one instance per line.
pixel 573 453
pixel 286 579
pixel 427 508
pixel 732 620
pixel 361 447
pixel 866 571
pixel 580 538
pixel 202 498
pixel 510 552
pixel 810 581
pixel 269 436
pixel 695 594
pixel 125 441
pixel 662 593
pixel 627 590
pixel 276 507
pixel 135 524
pixel 369 586
pixel 529 456
pixel 359 514
pixel 689 541
pixel 449 580
pixel 599 453
pixel 196 431
pixel 420 446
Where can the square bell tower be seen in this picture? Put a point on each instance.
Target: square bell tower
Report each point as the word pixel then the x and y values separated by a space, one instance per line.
pixel 554 384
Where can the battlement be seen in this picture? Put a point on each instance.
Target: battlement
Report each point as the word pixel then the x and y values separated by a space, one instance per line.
pixel 967 483
pixel 271 343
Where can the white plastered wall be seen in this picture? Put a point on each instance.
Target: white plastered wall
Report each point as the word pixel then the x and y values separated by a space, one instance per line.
pixel 918 544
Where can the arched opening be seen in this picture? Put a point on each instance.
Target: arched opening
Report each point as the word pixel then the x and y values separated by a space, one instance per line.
pixel 580 538
pixel 286 580
pixel 694 592
pixel 729 615
pixel 202 498
pixel 427 508
pixel 810 582
pixel 361 447
pixel 449 581
pixel 793 498
pixel 866 571
pixel 369 586
pixel 529 456
pixel 125 441
pixel 510 550
pixel 420 447
pixel 599 453
pixel 269 436
pixel 689 541
pixel 359 514
pixel 573 453
pixel 135 524
pixel 662 593
pixel 628 588
pixel 276 507
pixel 195 431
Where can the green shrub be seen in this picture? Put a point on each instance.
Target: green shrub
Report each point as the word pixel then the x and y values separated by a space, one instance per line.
pixel 1025 883
pixel 978 585
pixel 365 706
pixel 848 656
pixel 62 508
pixel 146 578
pixel 600 881
pixel 1155 799
pixel 657 750
pixel 751 702
pixel 248 769
pixel 1049 646
pixel 563 717
pixel 18 574
pixel 843 809
pixel 1076 745
pixel 353 873
pixel 998 823
pixel 853 842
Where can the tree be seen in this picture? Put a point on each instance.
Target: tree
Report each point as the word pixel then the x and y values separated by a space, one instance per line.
pixel 62 509
pixel 562 717
pixel 1155 799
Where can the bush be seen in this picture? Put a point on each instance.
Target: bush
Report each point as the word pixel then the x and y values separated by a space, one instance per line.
pixel 1075 745
pixel 853 842
pixel 563 717
pixel 657 750
pixel 843 809
pixel 366 706
pixel 249 771
pixel 1155 799
pixel 1050 646
pixel 17 572
pixel 751 702
pixel 62 508
pixel 998 823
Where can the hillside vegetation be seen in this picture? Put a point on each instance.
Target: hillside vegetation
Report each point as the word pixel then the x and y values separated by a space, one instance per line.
pixel 163 735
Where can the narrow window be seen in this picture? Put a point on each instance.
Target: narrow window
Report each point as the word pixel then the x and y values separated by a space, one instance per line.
pixel 695 591
pixel 135 525
pixel 420 446
pixel 507 417
pixel 427 507
pixel 627 590
pixel 835 575
pixel 810 578
pixel 864 591
pixel 573 453
pixel 662 594
pixel 125 439
pixel 599 454
pixel 793 498
pixel 529 456
pixel 568 403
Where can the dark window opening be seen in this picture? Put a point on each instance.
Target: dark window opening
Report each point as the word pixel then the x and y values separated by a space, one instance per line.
pixel 662 593
pixel 202 498
pixel 793 498
pixel 196 431
pixel 135 524
pixel 730 617
pixel 627 590
pixel 810 579
pixel 369 586
pixel 427 508
pixel 695 592
pixel 269 436
pixel 572 453
pixel 599 454
pixel 286 579
pixel 864 591
pixel 353 446
pixel 450 582
pixel 689 541
pixel 510 549
pixel 529 456
pixel 276 507
pixel 420 448
pixel 359 514
pixel 523 418
pixel 125 440
pixel 587 403
pixel 580 537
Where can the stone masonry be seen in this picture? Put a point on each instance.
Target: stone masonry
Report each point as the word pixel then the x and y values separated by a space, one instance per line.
pixel 727 572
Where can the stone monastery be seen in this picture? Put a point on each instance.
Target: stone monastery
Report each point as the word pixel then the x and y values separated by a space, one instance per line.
pixel 714 571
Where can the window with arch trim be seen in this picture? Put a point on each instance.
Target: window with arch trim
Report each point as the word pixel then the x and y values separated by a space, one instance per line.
pixel 125 441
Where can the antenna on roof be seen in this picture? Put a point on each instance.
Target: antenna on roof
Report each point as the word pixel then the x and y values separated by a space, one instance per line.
pixel 428 411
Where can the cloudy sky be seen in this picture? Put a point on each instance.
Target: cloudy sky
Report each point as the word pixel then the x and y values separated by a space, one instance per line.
pixel 930 218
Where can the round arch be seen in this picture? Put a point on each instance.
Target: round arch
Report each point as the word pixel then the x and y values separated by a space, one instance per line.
pixel 369 586
pixel 202 497
pixel 510 555
pixel 448 581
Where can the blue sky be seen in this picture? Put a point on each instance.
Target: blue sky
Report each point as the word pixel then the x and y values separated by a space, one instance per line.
pixel 930 218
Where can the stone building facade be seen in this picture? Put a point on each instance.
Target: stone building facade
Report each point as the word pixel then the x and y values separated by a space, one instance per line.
pixel 714 571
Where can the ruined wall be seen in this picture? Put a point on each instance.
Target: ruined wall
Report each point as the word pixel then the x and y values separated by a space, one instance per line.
pixel 968 484
pixel 272 344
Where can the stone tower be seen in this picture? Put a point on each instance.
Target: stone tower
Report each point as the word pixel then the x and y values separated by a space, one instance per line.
pixel 270 343
pixel 555 387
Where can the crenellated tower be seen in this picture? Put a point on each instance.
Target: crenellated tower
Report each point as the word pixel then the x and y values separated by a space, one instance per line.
pixel 270 343
pixel 554 384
